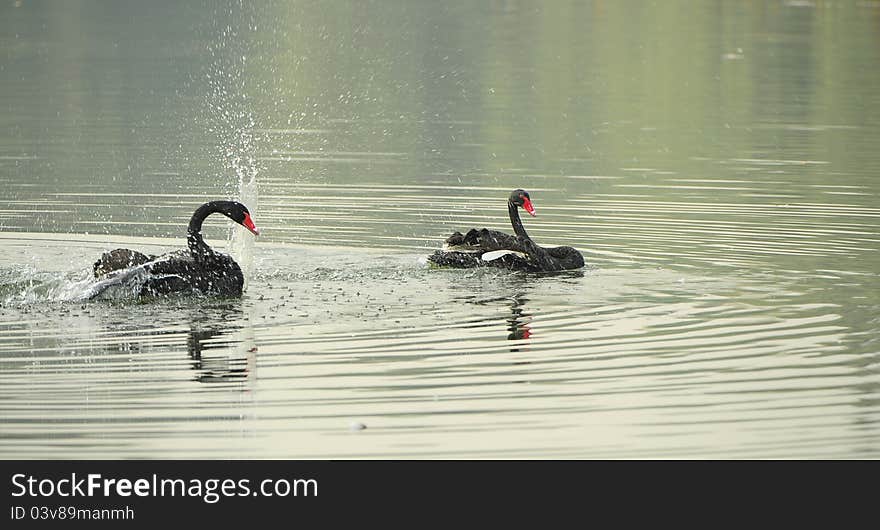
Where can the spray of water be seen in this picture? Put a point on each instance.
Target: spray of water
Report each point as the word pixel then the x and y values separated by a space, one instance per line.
pixel 25 286
pixel 233 122
pixel 242 242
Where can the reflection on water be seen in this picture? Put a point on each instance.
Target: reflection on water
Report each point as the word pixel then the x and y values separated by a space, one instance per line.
pixel 721 185
pixel 518 323
pixel 206 335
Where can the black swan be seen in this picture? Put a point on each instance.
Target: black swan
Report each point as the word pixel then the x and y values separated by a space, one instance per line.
pixel 491 248
pixel 198 269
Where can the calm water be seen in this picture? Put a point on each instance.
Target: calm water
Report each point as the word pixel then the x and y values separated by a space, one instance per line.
pixel 717 163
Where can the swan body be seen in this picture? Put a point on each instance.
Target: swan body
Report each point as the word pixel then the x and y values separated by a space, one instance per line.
pixel 492 248
pixel 199 269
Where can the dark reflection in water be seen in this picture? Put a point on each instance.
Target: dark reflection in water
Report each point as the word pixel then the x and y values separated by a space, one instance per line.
pixel 518 322
pixel 203 338
pixel 213 337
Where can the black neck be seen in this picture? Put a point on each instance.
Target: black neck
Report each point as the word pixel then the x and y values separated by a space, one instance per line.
pixel 518 228
pixel 194 239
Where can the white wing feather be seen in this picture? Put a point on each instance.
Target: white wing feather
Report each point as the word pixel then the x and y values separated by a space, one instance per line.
pixel 495 254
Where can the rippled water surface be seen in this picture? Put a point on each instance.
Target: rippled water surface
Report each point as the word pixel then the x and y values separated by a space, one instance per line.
pixel 717 165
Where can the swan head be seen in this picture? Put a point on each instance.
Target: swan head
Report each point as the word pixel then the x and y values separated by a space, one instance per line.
pixel 521 198
pixel 239 213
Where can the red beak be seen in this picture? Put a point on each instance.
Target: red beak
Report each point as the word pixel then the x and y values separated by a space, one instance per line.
pixel 527 206
pixel 249 224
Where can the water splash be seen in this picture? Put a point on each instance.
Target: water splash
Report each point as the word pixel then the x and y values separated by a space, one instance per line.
pixel 26 286
pixel 236 127
pixel 242 242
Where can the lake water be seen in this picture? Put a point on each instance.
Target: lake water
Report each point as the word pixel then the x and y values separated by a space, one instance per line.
pixel 717 163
